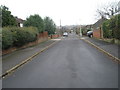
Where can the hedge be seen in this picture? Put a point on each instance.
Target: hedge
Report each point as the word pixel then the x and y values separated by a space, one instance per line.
pixel 111 27
pixel 16 36
pixel 0 39
pixel 6 39
pixel 107 33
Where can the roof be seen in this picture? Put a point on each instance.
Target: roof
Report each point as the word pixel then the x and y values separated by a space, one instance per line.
pixel 99 23
pixel 19 20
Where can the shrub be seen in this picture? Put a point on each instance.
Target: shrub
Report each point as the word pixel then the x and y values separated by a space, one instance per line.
pixel 7 41
pixel 111 28
pixel 115 26
pixel 0 39
pixel 24 35
pixel 16 36
pixel 117 31
pixel 107 33
pixel 31 33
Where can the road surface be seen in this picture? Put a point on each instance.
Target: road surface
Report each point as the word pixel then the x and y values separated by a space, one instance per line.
pixel 71 63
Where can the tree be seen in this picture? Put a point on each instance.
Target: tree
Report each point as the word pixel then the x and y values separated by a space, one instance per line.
pixel 107 11
pixel 50 26
pixel 111 28
pixel 114 25
pixel 7 18
pixel 35 21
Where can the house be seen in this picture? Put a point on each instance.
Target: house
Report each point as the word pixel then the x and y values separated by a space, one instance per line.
pixel 97 28
pixel 86 28
pixel 19 22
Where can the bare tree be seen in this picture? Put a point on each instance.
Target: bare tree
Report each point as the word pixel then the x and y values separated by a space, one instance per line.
pixel 107 11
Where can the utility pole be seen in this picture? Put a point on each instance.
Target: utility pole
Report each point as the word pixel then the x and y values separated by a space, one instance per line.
pixel 60 22
pixel 80 31
pixel 60 27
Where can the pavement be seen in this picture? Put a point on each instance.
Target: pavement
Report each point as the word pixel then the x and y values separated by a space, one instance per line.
pixel 113 49
pixel 14 58
pixel 70 63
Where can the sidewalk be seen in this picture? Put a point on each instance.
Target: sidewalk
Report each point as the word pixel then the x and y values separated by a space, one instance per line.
pixel 109 47
pixel 14 58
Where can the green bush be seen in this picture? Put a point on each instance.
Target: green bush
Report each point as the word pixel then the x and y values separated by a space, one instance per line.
pixel 0 38
pixel 115 26
pixel 31 33
pixel 111 27
pixel 107 33
pixel 7 41
pixel 16 36
pixel 117 31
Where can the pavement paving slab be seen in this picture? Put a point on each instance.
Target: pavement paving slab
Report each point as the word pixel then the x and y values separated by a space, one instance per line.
pixel 14 58
pixel 109 47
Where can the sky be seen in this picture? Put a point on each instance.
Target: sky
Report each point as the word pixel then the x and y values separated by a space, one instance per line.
pixel 70 12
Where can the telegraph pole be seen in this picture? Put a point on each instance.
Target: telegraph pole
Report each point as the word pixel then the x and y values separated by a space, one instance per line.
pixel 60 27
pixel 60 24
pixel 80 31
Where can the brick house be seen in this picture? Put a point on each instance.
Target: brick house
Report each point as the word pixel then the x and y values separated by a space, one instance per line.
pixel 86 28
pixel 97 28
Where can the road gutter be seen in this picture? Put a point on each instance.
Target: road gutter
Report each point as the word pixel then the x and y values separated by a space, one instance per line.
pixel 115 59
pixel 10 71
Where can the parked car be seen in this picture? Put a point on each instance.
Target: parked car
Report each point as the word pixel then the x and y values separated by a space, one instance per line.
pixel 65 34
pixel 90 34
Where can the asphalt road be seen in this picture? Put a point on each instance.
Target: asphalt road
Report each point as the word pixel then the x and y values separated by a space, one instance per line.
pixel 71 63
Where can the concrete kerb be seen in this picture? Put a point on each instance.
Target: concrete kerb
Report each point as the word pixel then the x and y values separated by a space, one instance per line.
pixel 8 72
pixel 102 50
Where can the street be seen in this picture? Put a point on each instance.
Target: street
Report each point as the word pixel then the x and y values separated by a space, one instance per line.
pixel 71 63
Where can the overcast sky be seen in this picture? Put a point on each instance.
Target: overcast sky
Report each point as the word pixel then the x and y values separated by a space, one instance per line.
pixel 68 11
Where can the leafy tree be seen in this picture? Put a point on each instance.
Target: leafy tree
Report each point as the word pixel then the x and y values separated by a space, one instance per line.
pixel 7 18
pixel 35 21
pixel 50 26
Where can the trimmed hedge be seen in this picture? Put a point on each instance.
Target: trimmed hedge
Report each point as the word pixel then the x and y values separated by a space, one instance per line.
pixel 16 36
pixel 6 39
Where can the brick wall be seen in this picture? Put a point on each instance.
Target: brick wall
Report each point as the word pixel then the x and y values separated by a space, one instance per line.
pixel 54 36
pixel 97 33
pixel 41 37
